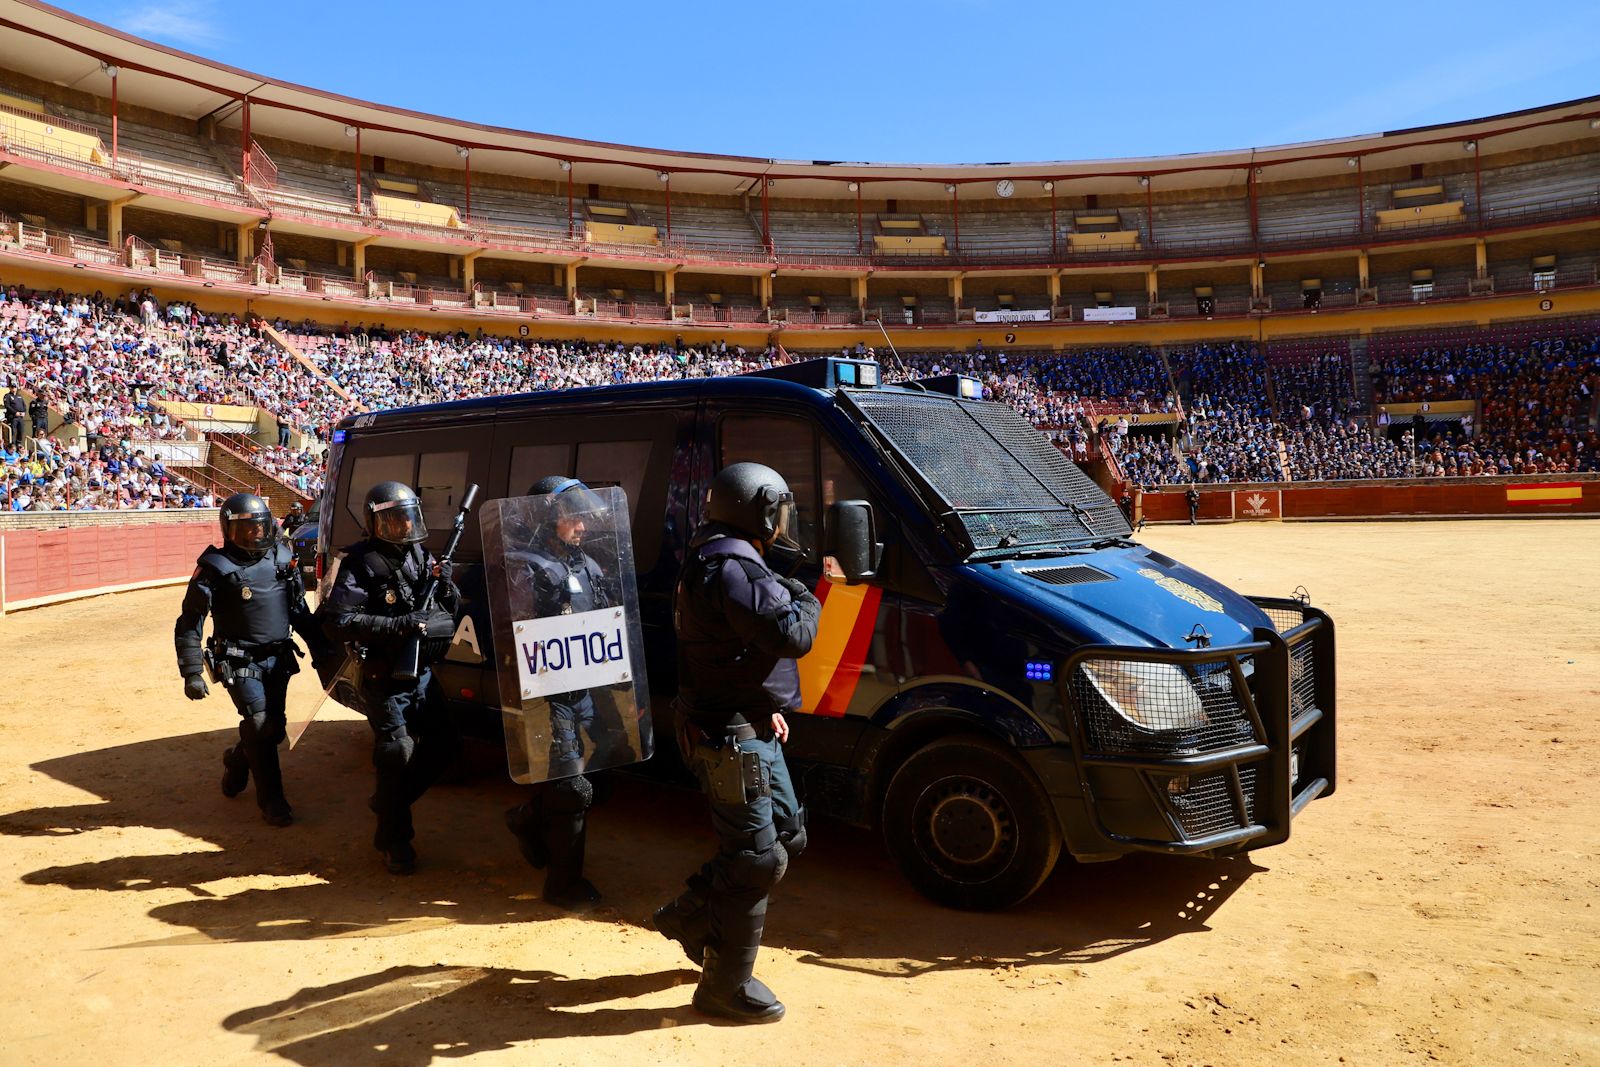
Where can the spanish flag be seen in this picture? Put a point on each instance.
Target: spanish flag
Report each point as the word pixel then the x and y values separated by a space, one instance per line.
pixel 830 671
pixel 1545 493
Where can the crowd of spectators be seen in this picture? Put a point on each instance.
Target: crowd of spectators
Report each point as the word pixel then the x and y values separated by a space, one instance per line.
pixel 1216 412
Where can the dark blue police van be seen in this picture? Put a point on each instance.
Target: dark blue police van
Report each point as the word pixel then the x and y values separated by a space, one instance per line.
pixel 1000 672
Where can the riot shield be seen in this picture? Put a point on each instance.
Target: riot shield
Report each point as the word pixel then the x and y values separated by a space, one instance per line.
pixel 307 695
pixel 569 651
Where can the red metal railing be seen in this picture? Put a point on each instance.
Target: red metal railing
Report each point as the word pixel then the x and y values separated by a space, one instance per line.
pixel 263 171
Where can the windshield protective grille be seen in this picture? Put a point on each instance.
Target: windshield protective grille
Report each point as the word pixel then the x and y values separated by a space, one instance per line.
pixel 1000 474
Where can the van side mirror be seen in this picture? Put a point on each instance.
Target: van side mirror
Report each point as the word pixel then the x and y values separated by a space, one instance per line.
pixel 849 540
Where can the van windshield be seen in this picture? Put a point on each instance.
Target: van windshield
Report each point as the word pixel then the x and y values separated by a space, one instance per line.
pixel 997 481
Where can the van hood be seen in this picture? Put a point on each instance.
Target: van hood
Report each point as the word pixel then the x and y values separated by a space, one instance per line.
pixel 1126 595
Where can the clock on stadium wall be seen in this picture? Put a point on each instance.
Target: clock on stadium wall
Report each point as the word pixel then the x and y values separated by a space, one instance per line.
pixel 1005 187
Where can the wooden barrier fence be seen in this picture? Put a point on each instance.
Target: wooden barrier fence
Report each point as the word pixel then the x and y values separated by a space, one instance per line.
pixel 46 566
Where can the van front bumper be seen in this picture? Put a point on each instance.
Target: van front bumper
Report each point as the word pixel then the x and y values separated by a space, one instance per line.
pixel 1223 769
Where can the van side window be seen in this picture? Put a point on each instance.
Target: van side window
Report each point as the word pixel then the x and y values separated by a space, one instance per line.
pixel 529 463
pixel 607 463
pixel 368 471
pixel 787 445
pixel 441 481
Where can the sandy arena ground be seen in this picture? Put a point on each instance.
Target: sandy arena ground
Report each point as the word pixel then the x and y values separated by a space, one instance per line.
pixel 1440 907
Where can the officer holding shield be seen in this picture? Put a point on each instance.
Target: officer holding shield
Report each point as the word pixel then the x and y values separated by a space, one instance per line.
pixel 375 607
pixel 740 628
pixel 560 578
pixel 252 589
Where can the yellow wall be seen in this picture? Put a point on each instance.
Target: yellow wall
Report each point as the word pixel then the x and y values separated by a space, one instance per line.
pixel 41 135
pixel 402 210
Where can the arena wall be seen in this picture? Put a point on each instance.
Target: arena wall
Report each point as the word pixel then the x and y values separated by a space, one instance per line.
pixel 46 566
pixel 1537 496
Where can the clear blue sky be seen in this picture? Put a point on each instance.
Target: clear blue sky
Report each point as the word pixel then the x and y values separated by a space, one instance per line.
pixel 931 81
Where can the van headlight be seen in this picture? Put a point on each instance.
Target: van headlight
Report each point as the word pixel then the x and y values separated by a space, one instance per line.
pixel 1152 696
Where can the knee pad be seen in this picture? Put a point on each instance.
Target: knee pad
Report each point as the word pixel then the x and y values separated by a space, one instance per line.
pixel 756 872
pixel 569 796
pixel 792 833
pixel 392 750
pixel 254 728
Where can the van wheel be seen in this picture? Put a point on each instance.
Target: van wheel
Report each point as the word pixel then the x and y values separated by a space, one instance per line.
pixel 969 825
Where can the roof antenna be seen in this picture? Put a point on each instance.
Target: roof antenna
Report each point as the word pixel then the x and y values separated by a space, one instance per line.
pixel 903 368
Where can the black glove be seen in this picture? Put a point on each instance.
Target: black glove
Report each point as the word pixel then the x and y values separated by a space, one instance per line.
pixel 414 623
pixel 447 567
pixel 195 688
pixel 796 587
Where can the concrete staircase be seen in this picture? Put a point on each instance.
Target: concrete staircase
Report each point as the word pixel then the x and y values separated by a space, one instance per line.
pixel 1361 373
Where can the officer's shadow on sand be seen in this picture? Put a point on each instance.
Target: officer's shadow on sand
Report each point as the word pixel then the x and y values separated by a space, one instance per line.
pixel 843 905
pixel 413 1015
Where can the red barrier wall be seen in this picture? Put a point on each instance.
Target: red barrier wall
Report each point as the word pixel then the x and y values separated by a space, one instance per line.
pixel 1375 500
pixel 58 563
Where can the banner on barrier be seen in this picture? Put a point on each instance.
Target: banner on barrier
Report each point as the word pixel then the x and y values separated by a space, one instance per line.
pixel 1038 315
pixel 1116 314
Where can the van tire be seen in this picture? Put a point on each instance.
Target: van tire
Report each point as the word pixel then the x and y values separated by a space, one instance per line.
pixel 969 824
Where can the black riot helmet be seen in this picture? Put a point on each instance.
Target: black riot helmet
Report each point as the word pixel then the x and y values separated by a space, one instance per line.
pixel 755 500
pixel 573 500
pixel 394 514
pixel 246 524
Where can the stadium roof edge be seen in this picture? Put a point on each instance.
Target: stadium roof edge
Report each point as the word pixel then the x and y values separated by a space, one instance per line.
pixel 180 83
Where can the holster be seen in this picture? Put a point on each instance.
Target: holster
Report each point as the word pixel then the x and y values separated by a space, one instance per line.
pixel 728 774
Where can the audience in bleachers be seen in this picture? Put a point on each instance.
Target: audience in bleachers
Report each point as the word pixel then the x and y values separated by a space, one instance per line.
pixel 1224 414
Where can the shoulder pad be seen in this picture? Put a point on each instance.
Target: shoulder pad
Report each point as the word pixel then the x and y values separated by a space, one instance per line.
pixel 217 561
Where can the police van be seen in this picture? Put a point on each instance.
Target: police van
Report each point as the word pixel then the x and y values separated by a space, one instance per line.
pixel 1000 671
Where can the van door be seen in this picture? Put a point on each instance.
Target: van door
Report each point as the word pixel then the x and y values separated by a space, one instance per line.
pixel 849 671
pixel 439 464
pixel 635 451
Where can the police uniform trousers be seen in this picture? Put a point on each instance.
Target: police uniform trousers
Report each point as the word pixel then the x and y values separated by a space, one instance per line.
pixel 551 826
pixel 751 858
pixel 260 687
pixel 413 741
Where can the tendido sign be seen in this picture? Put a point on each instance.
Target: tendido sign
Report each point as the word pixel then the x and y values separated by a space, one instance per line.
pixel 566 653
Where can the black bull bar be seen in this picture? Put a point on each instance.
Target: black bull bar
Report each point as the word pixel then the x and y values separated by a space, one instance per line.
pixel 1225 780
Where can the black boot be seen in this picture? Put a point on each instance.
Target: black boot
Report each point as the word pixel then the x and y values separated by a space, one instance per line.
pixel 523 822
pixel 687 920
pixel 235 772
pixel 564 837
pixel 728 990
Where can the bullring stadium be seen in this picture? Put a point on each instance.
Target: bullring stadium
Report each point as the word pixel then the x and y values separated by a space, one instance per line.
pixel 209 275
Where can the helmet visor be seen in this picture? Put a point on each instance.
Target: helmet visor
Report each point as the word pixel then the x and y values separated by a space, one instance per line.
pixel 399 522
pixel 249 533
pixel 578 502
pixel 786 522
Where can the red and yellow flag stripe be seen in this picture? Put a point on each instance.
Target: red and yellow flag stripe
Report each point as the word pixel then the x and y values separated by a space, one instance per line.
pixel 1545 493
pixel 830 672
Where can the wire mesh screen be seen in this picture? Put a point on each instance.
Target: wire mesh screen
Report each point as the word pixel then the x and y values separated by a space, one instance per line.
pixel 1128 706
pixel 1285 619
pixel 990 464
pixel 1206 806
pixel 1302 678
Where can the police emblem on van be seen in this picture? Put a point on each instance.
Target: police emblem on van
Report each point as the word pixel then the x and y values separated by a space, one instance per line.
pixel 1182 590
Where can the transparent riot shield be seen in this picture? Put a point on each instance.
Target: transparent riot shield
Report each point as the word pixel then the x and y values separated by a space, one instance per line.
pixel 307 695
pixel 569 651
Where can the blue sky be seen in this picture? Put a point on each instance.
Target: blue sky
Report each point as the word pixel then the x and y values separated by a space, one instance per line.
pixel 966 81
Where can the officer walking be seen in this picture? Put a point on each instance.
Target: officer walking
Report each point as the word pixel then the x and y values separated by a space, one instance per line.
pixel 1192 498
pixel 566 580
pixel 740 628
pixel 374 607
pixel 253 592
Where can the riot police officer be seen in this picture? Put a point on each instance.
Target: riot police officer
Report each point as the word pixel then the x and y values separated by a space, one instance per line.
pixel 252 589
pixel 294 518
pixel 374 606
pixel 563 579
pixel 1192 498
pixel 740 628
